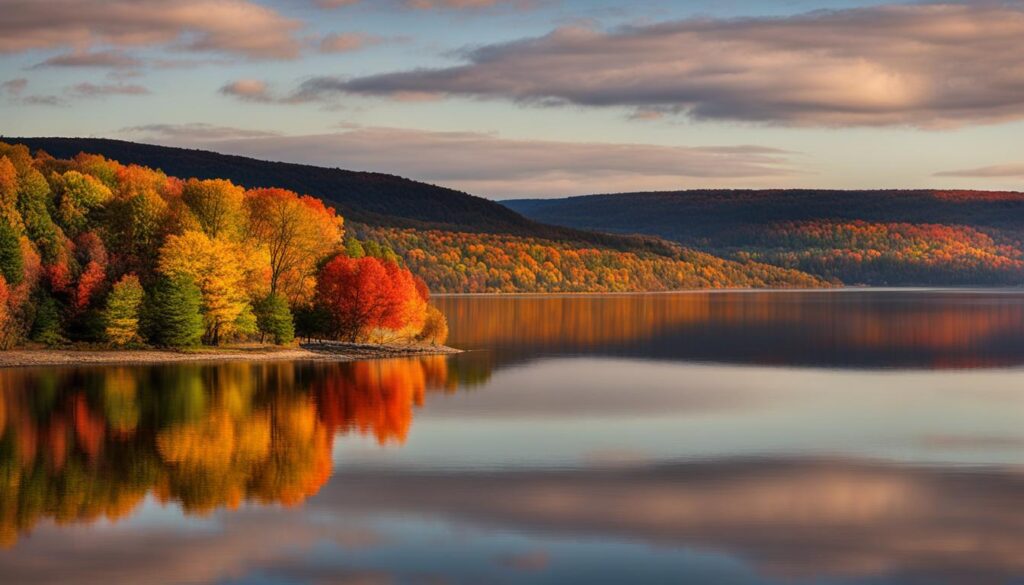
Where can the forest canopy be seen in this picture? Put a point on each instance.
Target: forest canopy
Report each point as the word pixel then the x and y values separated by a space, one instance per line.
pixel 92 250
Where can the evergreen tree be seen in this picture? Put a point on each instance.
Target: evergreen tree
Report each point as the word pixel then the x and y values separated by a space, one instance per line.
pixel 275 319
pixel 174 317
pixel 47 328
pixel 122 313
pixel 12 264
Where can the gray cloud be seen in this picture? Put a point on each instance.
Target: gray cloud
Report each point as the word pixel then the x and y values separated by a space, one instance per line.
pixel 238 27
pixel 14 90
pixel 506 167
pixel 14 86
pixel 89 90
pixel 435 4
pixel 101 59
pixel 990 172
pixel 195 132
pixel 922 65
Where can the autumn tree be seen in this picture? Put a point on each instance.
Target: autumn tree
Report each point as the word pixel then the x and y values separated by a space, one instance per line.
pixel 213 265
pixel 137 215
pixel 9 193
pixel 217 204
pixel 8 328
pixel 297 232
pixel 77 196
pixel 435 327
pixel 367 294
pixel 122 312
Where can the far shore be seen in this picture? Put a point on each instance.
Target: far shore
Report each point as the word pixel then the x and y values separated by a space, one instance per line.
pixel 695 291
pixel 316 351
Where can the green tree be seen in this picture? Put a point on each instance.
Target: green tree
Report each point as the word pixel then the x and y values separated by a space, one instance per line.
pixel 174 317
pixel 78 195
pixel 47 325
pixel 275 319
pixel 122 313
pixel 12 264
pixel 354 248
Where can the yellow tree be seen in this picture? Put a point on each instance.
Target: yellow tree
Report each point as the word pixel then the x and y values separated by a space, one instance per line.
pixel 217 205
pixel 216 267
pixel 296 232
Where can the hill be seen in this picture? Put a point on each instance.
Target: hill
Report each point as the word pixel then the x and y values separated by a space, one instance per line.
pixel 455 241
pixel 370 198
pixel 923 237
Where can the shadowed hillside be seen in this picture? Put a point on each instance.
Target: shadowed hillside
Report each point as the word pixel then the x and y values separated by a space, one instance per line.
pixel 370 198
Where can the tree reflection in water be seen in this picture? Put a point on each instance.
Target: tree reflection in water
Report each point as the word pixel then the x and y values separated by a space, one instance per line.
pixel 78 445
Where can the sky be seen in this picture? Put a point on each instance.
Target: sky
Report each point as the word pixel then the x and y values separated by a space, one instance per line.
pixel 541 98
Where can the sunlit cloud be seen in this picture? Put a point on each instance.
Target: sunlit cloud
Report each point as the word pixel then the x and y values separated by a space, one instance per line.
pixel 237 27
pixel 502 167
pixel 920 65
pixel 250 90
pixel 347 42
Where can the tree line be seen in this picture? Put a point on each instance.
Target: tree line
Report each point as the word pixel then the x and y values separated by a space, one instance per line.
pixel 462 262
pixel 92 250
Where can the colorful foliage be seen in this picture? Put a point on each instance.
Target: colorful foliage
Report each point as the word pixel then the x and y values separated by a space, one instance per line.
pixel 458 262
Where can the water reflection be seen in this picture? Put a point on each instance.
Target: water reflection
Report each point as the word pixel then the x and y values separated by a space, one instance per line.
pixel 853 329
pixel 743 438
pixel 80 445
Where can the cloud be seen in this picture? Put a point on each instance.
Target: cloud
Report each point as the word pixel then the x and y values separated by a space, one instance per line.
pixel 434 4
pixel 347 42
pixel 921 65
pixel 90 90
pixel 237 27
pixel 250 90
pixel 990 172
pixel 491 165
pixel 195 132
pixel 14 90
pixel 840 519
pixel 14 86
pixel 102 59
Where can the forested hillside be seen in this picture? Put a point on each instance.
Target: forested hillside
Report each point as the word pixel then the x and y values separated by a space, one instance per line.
pixel 371 198
pixel 455 262
pixel 870 237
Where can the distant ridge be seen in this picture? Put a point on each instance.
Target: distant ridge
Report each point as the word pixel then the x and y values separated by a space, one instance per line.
pixel 880 237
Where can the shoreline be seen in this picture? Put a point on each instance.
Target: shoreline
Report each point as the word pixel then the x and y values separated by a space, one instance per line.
pixel 318 352
pixel 694 291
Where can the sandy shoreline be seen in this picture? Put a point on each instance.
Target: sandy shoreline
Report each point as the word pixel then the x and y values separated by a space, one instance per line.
pixel 323 352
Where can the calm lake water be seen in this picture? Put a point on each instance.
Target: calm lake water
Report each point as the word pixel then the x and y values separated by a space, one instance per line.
pixel 739 438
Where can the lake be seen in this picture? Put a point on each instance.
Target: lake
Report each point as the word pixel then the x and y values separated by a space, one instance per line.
pixel 846 437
